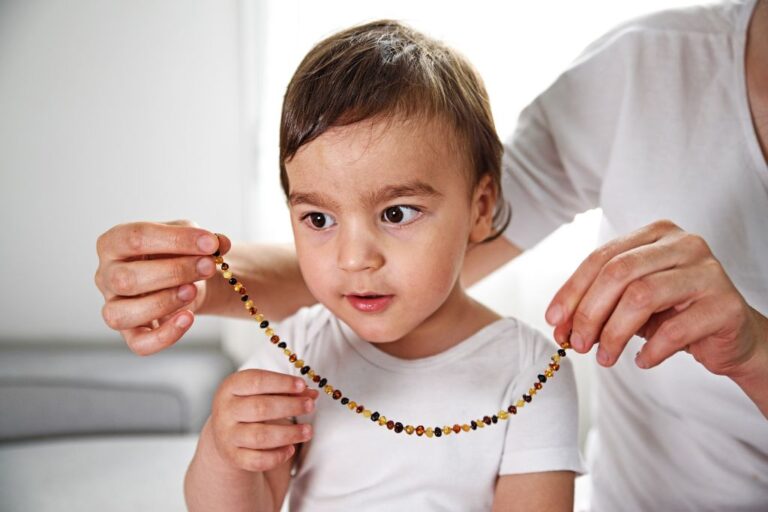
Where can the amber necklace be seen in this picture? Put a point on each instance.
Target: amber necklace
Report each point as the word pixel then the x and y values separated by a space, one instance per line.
pixel 377 418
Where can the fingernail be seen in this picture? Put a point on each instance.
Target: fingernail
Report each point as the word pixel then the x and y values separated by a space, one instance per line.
pixel 554 314
pixel 207 243
pixel 640 362
pixel 186 292
pixel 576 341
pixel 306 431
pixel 299 385
pixel 183 321
pixel 603 357
pixel 205 266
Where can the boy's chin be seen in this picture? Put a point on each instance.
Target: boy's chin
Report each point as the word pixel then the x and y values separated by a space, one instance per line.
pixel 372 332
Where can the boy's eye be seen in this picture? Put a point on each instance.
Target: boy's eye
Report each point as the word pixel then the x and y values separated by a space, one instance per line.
pixel 319 220
pixel 400 214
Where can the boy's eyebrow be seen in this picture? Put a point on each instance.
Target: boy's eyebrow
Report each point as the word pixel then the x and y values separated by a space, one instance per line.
pixel 414 188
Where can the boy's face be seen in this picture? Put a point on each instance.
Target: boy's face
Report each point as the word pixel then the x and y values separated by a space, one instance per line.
pixel 382 213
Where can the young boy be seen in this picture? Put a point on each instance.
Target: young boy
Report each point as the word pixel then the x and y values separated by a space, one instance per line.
pixel 391 166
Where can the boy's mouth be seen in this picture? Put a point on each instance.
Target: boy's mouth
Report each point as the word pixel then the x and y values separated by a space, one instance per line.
pixel 369 302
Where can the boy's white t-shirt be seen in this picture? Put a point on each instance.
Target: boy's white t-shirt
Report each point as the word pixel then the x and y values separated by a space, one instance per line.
pixel 652 122
pixel 353 463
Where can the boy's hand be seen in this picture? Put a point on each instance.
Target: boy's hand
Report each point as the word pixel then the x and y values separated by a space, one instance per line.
pixel 251 418
pixel 152 276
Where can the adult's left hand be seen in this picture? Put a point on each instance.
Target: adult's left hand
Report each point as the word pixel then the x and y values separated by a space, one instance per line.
pixel 665 285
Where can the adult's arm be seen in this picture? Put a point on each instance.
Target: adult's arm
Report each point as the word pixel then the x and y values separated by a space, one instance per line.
pixel 666 285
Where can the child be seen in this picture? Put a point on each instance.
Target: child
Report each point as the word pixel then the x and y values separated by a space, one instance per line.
pixel 391 166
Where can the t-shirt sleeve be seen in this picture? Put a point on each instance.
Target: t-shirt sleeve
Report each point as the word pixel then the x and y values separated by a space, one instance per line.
pixel 544 434
pixel 554 162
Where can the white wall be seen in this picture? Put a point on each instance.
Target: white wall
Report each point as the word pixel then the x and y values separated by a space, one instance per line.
pixel 110 111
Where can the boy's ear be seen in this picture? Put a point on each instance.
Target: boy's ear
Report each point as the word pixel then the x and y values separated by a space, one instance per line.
pixel 483 207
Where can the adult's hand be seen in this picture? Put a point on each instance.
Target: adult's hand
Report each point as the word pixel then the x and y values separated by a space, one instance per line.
pixel 664 284
pixel 152 276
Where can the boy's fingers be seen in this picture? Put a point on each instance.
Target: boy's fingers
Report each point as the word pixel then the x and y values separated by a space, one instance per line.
pixel 145 340
pixel 122 314
pixel 150 238
pixel 265 436
pixel 258 461
pixel 264 382
pixel 251 409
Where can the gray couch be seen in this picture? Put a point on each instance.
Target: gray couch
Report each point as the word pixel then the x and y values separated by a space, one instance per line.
pixel 100 428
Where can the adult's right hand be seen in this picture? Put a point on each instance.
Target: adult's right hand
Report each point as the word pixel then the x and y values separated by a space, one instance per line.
pixel 152 276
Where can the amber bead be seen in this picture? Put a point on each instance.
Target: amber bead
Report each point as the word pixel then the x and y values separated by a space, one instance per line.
pixel 537 385
pixel 503 415
pixel 359 409
pixel 457 428
pixel 328 390
pixel 282 344
pixel 224 266
pixel 227 275
pixel 238 286
pixel 293 358
pixel 316 379
pixel 520 403
pixel 304 370
pixel 473 425
pixel 495 419
pixel 420 430
pixel 409 429
pixel 549 373
pixel 375 416
pixel 336 394
pixel 244 298
pixel 438 432
pixel 429 432
pixel 275 339
pixel 264 324
pixel 447 430
pixel 344 401
pixel 527 398
pixel 383 420
pixel 232 281
pixel 252 311
pixel 554 366
pixel 322 383
pixel 512 409
pixel 217 253
pixel 351 405
pixel 561 352
pixel 542 378
pixel 465 427
pixel 398 427
pixel 390 424
pixel 367 413
pixel 487 420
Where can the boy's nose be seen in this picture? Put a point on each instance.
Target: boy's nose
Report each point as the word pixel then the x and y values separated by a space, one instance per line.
pixel 358 251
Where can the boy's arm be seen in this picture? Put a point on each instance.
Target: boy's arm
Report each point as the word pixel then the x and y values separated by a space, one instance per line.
pixel 212 483
pixel 548 490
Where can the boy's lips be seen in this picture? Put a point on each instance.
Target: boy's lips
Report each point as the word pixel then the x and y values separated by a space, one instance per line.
pixel 369 302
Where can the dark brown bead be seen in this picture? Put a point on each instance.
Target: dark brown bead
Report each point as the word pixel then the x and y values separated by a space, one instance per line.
pixel 542 378
pixel 554 366
pixel 390 424
pixel 344 401
pixel 264 324
pixel 304 370
pixel 336 394
pixel 252 311
pixel 359 409
pixel 282 344
pixel 561 352
pixel 438 432
pixel 322 383
pixel 473 424
pixel 244 298
pixel 512 409
pixel 275 339
pixel 293 358
pixel 487 420
pixel 217 253
pixel 420 430
pixel 242 291
pixel 316 379
pixel 457 428
pixel 495 419
pixel 375 416
pixel 232 281
pixel 398 427
pixel 527 398
pixel 537 385
pixel 225 266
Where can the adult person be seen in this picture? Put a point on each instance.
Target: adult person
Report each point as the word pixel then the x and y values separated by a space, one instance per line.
pixel 665 117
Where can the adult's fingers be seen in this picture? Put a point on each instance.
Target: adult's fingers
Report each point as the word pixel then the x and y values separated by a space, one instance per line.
pixel 145 340
pixel 266 436
pixel 263 382
pixel 151 238
pixel 270 407
pixel 128 313
pixel 258 461
pixel 132 278
pixel 642 299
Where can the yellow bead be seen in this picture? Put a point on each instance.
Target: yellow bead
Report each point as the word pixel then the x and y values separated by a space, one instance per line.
pixel 532 391
pixel 299 363
pixel 566 345
pixel 311 374
pixel 465 427
pixel 548 373
pixel 480 423
pixel 409 429
pixel 269 332
pixel 447 430
pixel 328 389
pixel 352 404
pixel 556 358
pixel 227 275
pixel 218 260
pixel 382 420
pixel 430 432
pixel 520 403
pixel 503 415
pixel 287 352
pixel 238 287
pixel 258 317
pixel 248 304
pixel 367 413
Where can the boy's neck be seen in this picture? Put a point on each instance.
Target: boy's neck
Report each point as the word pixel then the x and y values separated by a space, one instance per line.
pixel 457 319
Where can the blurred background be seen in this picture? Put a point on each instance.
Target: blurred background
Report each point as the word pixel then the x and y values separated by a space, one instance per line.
pixel 115 111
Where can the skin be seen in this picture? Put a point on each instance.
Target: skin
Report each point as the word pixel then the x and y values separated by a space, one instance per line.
pixel 343 184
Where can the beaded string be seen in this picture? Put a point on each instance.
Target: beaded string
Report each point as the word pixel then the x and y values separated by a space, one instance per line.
pixel 377 418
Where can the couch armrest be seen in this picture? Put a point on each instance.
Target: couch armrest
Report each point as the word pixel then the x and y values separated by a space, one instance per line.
pixel 60 390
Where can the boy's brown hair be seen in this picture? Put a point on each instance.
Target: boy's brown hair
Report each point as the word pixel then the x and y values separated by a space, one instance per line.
pixel 385 68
